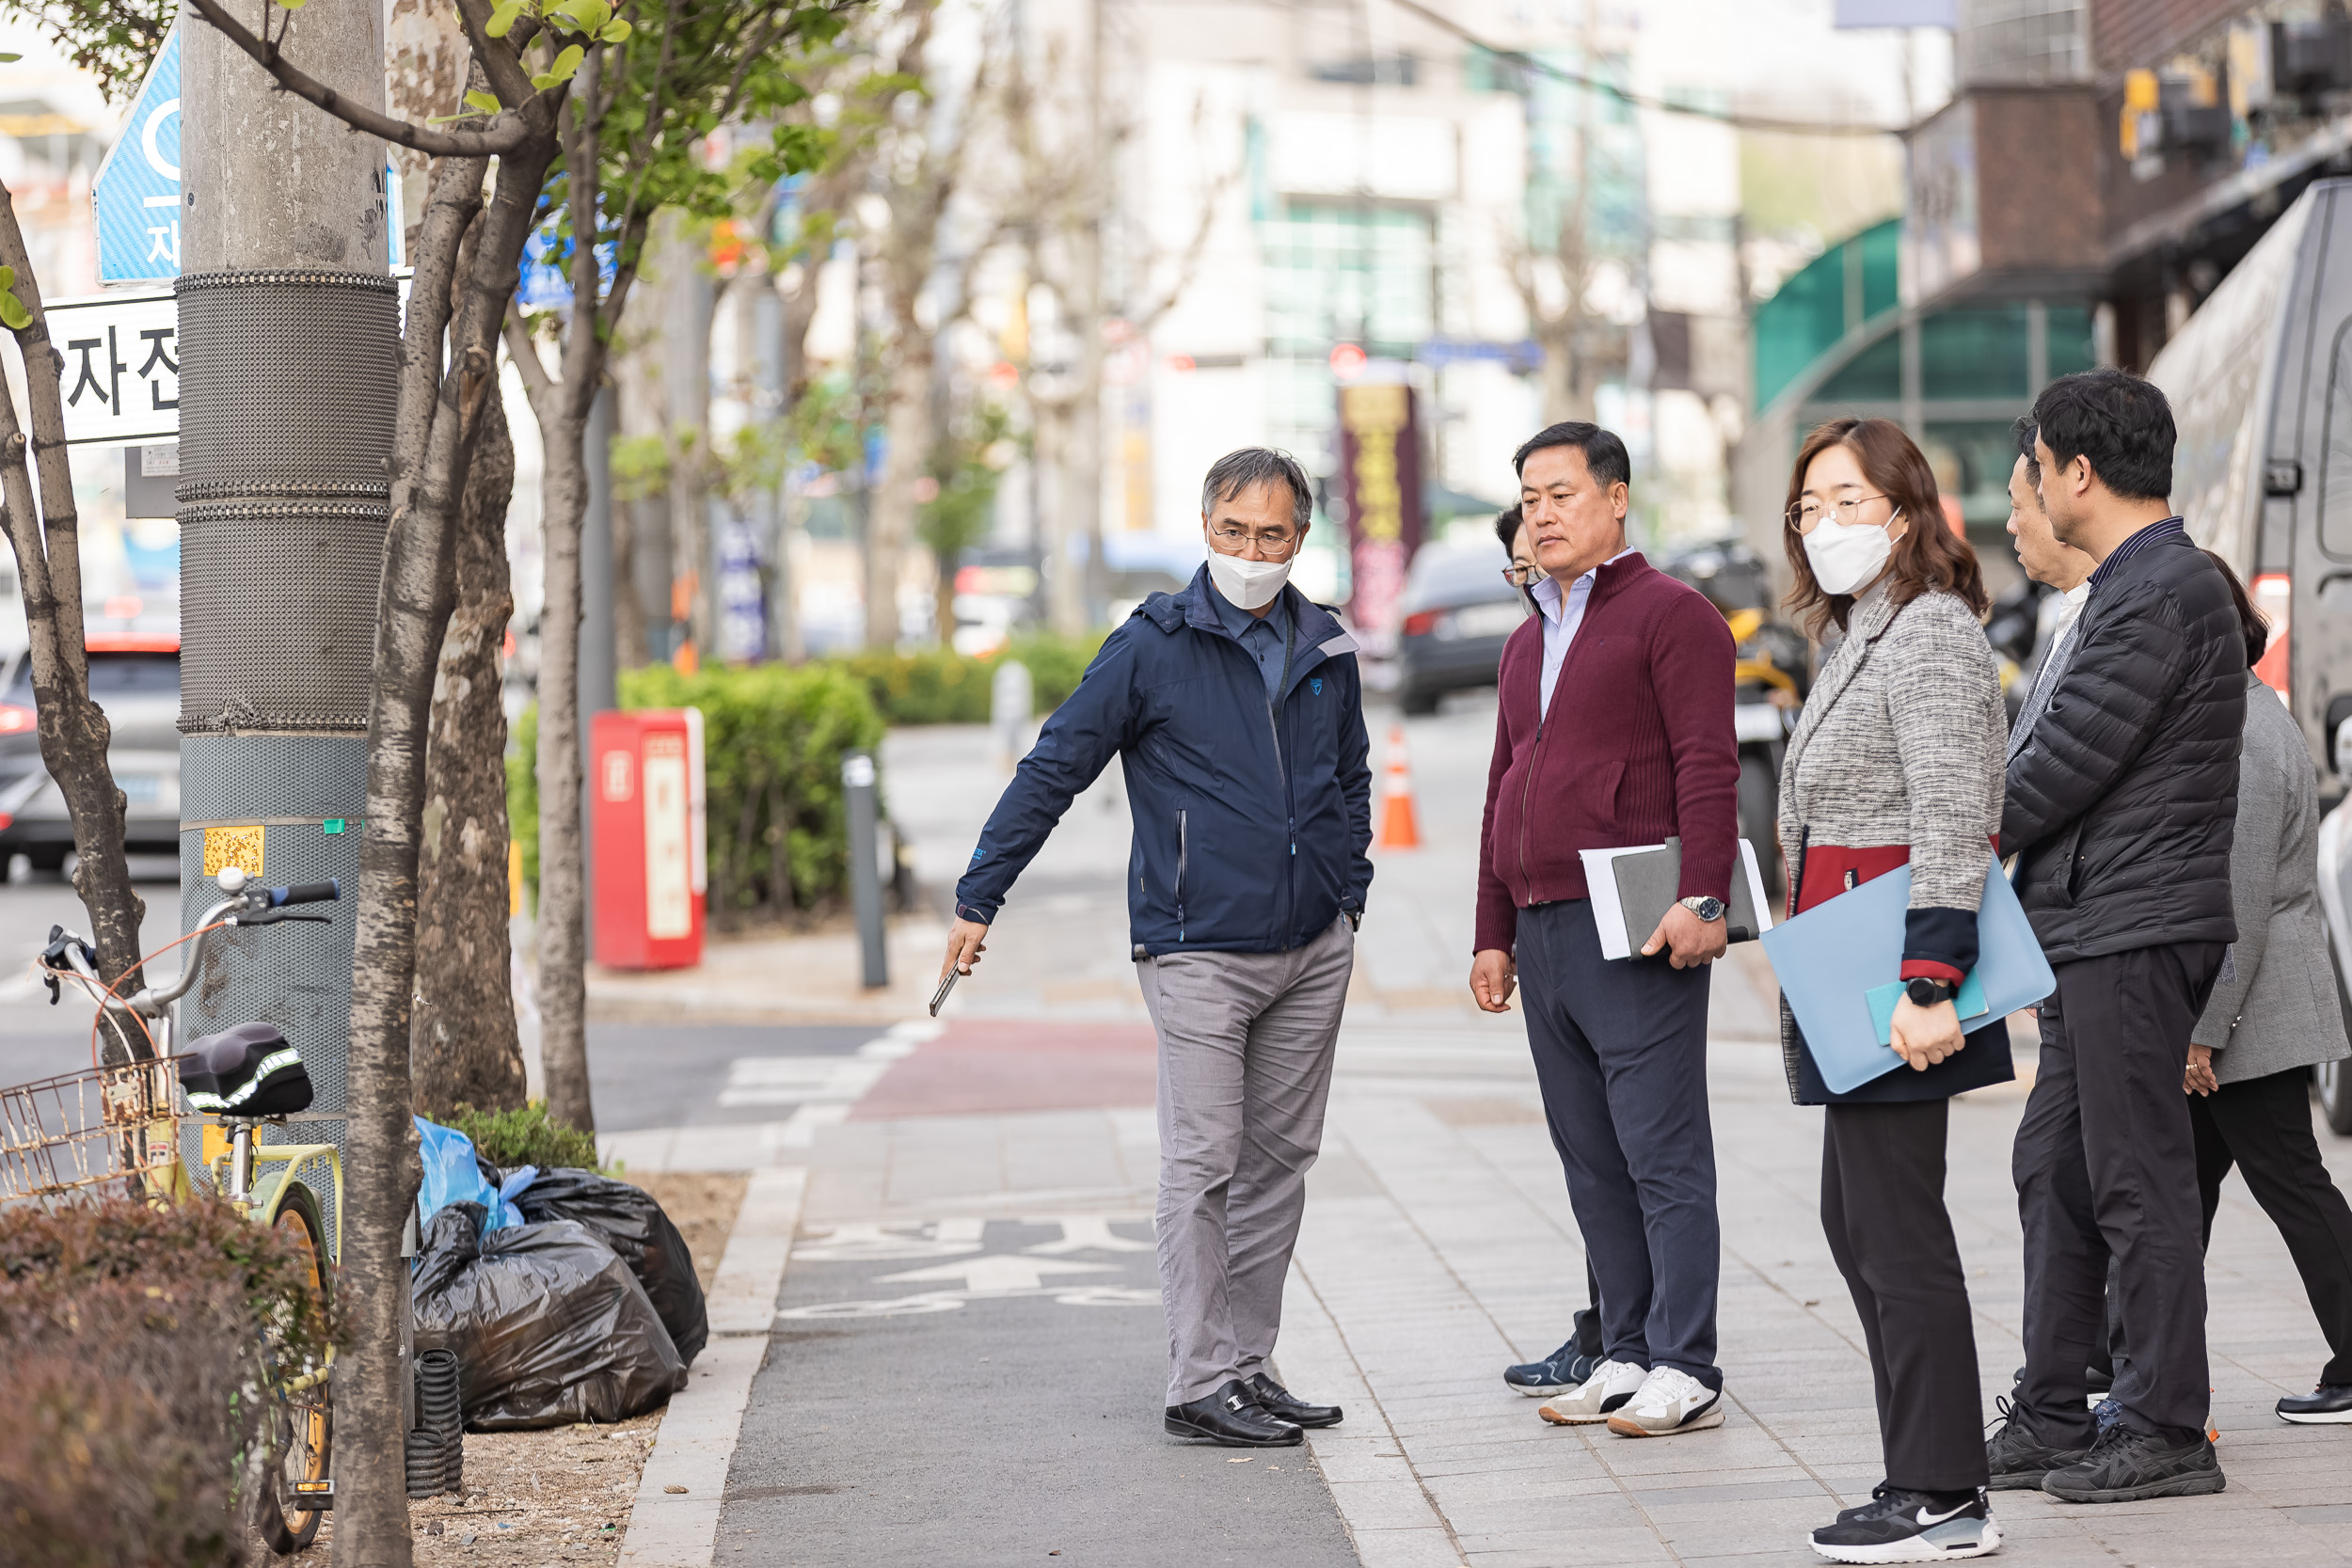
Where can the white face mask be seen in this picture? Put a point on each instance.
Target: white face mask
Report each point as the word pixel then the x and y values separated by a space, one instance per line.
pixel 1250 584
pixel 1848 556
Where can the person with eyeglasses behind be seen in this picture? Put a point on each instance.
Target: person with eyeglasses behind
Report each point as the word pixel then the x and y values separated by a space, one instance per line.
pixel 1237 712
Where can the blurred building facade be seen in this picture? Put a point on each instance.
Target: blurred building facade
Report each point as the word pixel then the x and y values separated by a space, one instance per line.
pixel 1379 184
pixel 2100 167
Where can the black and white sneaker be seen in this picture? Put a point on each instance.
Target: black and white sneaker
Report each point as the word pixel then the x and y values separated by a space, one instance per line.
pixel 2330 1405
pixel 1556 1374
pixel 2126 1466
pixel 1901 1526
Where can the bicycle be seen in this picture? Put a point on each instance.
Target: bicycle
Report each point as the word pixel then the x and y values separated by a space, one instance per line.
pixel 122 1123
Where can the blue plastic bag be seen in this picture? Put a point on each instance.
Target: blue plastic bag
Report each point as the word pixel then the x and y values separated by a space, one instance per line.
pixel 453 1175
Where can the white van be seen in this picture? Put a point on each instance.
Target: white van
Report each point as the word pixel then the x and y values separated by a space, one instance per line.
pixel 2261 386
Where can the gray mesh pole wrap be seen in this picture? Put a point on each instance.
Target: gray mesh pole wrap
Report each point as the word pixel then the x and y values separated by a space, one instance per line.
pixel 287 387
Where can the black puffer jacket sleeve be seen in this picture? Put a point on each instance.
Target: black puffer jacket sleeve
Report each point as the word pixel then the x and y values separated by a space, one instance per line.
pixel 2122 803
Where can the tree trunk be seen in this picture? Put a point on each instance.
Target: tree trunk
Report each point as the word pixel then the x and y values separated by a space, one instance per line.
pixel 412 613
pixel 629 606
pixel 907 423
pixel 74 730
pixel 562 916
pixel 462 1048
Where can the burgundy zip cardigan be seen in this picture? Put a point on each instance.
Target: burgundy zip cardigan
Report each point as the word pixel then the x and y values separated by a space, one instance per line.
pixel 1638 746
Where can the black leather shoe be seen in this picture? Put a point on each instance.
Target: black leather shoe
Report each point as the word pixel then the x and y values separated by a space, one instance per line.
pixel 1279 1403
pixel 2330 1405
pixel 1230 1416
pixel 2017 1459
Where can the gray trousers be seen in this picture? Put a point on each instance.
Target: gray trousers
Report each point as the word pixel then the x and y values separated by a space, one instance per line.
pixel 1245 1046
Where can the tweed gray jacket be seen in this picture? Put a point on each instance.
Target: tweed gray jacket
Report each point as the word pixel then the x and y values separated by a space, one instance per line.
pixel 2275 1005
pixel 1904 741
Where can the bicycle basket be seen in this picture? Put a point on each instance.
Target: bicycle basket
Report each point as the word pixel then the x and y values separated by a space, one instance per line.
pixel 64 1135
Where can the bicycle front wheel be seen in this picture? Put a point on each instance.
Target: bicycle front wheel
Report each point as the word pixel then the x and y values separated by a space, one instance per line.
pixel 301 1424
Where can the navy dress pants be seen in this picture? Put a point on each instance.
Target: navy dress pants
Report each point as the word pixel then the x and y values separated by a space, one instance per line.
pixel 1620 1048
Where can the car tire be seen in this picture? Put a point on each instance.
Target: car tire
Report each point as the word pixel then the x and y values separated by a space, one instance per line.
pixel 1416 702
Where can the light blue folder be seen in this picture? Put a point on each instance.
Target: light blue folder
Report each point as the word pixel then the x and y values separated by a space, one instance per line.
pixel 1830 959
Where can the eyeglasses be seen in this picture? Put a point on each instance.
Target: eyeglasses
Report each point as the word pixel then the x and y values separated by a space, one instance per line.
pixel 1522 577
pixel 1806 516
pixel 1233 540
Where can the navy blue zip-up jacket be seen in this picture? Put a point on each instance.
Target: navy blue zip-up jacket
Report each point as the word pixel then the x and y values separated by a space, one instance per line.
pixel 1252 813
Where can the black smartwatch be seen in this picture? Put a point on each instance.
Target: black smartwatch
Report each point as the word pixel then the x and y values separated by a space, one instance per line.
pixel 1924 992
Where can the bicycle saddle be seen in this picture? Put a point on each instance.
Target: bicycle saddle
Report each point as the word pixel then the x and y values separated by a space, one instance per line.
pixel 249 1070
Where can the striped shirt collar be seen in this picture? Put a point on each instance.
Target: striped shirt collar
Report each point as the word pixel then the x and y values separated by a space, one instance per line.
pixel 2152 534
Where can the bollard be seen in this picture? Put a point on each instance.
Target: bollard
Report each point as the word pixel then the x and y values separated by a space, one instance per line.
pixel 865 885
pixel 1011 697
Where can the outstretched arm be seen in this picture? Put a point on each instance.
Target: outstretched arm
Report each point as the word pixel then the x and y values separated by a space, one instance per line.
pixel 1076 744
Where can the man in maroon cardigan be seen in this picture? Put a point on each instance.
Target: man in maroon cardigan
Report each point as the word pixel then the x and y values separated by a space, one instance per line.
pixel 1615 730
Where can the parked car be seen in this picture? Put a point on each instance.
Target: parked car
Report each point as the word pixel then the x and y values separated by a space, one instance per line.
pixel 1458 613
pixel 135 679
pixel 2260 380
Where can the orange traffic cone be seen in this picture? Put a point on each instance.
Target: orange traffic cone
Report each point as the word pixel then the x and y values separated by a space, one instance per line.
pixel 1398 830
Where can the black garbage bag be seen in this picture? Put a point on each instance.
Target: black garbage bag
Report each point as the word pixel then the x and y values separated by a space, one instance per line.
pixel 549 1326
pixel 451 1239
pixel 632 1225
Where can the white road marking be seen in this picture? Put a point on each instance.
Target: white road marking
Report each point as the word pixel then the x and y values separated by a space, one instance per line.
pixel 1087 1233
pixel 998 1273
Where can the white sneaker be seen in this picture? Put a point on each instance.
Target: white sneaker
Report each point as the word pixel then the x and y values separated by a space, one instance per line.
pixel 1612 1383
pixel 1668 1402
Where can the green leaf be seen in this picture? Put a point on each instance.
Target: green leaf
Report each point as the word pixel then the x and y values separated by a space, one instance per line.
pixel 9 58
pixel 291 5
pixel 615 31
pixel 8 277
pixel 561 69
pixel 503 17
pixel 483 102
pixel 12 312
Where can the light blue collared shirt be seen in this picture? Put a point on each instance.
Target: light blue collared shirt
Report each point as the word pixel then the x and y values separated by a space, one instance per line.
pixel 1263 638
pixel 1562 619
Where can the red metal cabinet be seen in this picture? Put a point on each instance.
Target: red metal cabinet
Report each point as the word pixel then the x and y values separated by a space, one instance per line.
pixel 645 781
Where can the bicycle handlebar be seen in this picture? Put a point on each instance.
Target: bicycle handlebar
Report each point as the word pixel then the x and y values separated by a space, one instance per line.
pixel 327 891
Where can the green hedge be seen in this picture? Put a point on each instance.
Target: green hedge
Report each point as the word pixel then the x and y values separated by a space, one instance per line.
pixel 938 685
pixel 773 738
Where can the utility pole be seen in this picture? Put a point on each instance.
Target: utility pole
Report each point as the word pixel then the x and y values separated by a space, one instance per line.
pixel 1084 475
pixel 288 338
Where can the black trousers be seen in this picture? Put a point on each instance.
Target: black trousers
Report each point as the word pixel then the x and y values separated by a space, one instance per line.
pixel 2105 1167
pixel 1620 1050
pixel 1882 1209
pixel 1588 1340
pixel 2265 1126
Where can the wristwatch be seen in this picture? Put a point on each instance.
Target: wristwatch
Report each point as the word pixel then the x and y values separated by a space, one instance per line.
pixel 1924 992
pixel 1706 906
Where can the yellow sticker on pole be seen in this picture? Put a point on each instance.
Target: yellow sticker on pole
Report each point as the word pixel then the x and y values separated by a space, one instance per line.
pixel 237 847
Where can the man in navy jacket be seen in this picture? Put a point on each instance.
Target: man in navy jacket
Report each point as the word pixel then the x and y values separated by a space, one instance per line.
pixel 1236 709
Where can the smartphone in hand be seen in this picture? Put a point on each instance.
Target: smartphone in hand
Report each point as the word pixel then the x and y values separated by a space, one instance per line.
pixel 946 985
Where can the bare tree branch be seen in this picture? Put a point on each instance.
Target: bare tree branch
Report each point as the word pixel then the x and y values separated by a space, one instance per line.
pixel 507 133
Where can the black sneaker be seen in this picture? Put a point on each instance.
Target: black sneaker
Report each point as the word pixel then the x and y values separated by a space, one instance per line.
pixel 2017 1459
pixel 1556 1374
pixel 1901 1526
pixel 2127 1465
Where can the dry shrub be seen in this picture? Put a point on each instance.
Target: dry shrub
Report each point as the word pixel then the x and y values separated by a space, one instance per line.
pixel 136 1341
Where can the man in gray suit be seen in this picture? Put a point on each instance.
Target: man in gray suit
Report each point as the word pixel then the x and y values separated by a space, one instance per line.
pixel 2273 1015
pixel 2049 561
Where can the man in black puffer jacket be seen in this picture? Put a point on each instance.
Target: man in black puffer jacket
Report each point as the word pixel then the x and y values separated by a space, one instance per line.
pixel 2121 804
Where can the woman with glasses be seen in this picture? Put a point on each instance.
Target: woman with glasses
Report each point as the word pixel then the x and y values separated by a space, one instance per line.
pixel 1511 528
pixel 1899 760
